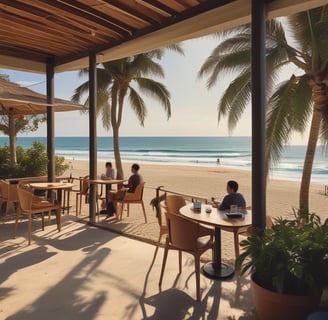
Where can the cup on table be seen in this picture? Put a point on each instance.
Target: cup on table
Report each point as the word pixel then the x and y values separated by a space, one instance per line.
pixel 233 208
pixel 197 206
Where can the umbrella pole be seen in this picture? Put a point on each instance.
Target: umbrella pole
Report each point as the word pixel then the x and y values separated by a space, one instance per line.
pixel 12 139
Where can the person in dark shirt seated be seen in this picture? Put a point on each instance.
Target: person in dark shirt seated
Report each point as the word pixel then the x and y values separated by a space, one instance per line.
pixel 130 187
pixel 134 180
pixel 232 198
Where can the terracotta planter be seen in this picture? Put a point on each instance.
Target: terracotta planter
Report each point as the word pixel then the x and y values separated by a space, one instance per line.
pixel 273 306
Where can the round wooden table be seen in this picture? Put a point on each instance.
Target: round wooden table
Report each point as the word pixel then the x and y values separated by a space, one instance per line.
pixel 105 182
pixel 217 269
pixel 59 186
pixel 51 185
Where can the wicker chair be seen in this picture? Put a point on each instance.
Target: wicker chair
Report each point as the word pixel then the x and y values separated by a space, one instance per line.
pixel 129 198
pixel 183 235
pixel 30 205
pixel 8 195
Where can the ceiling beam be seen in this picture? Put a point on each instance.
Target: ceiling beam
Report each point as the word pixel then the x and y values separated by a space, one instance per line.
pixel 228 16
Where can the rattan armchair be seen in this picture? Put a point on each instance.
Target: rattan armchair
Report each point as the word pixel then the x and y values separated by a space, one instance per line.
pixel 130 198
pixel 183 235
pixel 30 205
pixel 9 196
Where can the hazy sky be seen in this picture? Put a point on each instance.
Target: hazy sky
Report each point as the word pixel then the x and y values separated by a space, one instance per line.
pixel 194 108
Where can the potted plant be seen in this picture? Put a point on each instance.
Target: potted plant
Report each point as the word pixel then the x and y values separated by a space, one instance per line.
pixel 288 263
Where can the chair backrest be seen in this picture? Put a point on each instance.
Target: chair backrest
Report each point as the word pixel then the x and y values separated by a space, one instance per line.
pixel 183 232
pixel 137 194
pixel 160 217
pixel 85 185
pixel 13 193
pixel 4 189
pixel 174 203
pixel 9 191
pixel 25 197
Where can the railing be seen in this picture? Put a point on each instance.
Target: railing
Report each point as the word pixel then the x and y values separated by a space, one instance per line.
pixel 161 197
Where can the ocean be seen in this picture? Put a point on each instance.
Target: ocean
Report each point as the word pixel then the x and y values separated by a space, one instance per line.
pixel 234 152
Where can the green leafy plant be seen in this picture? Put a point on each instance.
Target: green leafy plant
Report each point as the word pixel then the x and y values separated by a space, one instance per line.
pixel 289 258
pixel 155 202
pixel 31 162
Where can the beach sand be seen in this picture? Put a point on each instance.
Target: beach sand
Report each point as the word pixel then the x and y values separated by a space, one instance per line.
pixel 207 182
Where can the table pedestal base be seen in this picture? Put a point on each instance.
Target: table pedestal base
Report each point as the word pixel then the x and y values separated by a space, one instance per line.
pixel 226 271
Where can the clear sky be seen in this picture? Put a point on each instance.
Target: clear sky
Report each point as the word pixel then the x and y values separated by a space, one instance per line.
pixel 194 108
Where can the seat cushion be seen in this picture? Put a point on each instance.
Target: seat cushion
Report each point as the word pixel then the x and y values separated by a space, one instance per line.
pixel 41 204
pixel 203 241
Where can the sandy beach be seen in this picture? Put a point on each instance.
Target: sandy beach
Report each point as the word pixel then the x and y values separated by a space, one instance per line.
pixel 282 195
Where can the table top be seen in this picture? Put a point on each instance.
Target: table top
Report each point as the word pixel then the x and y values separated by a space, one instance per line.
pixel 52 185
pixel 106 181
pixel 217 217
pixel 27 179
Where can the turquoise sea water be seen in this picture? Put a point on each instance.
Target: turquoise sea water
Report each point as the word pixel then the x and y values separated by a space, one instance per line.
pixel 200 151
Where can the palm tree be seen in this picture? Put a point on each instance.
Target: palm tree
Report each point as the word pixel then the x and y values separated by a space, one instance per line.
pixel 291 103
pixel 115 81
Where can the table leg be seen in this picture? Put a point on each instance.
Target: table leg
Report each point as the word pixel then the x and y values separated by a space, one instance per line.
pixel 217 269
pixel 107 189
pixel 60 198
pixel 68 200
pixel 64 200
pixel 110 206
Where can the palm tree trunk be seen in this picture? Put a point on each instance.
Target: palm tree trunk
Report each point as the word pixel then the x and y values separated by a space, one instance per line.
pixel 319 103
pixel 116 145
pixel 116 126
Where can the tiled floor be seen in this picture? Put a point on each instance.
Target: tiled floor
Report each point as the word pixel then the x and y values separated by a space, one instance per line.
pixel 88 273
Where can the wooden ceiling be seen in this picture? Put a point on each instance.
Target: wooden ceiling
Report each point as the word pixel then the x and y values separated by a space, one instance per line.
pixel 32 31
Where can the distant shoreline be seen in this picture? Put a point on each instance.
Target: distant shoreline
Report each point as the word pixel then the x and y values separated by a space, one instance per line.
pixel 100 161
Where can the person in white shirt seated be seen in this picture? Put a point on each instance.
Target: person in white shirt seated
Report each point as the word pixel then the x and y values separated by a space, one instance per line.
pixel 110 174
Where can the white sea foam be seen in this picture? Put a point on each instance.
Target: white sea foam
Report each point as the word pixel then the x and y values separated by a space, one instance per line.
pixel 234 152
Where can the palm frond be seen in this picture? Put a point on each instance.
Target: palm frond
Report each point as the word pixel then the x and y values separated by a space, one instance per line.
pixel 240 42
pixel 143 65
pixel 138 105
pixel 238 105
pixel 303 26
pixel 79 91
pixel 106 117
pixel 157 91
pixel 235 99
pixel 232 32
pixel 159 53
pixel 324 133
pixel 284 115
pixel 214 66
